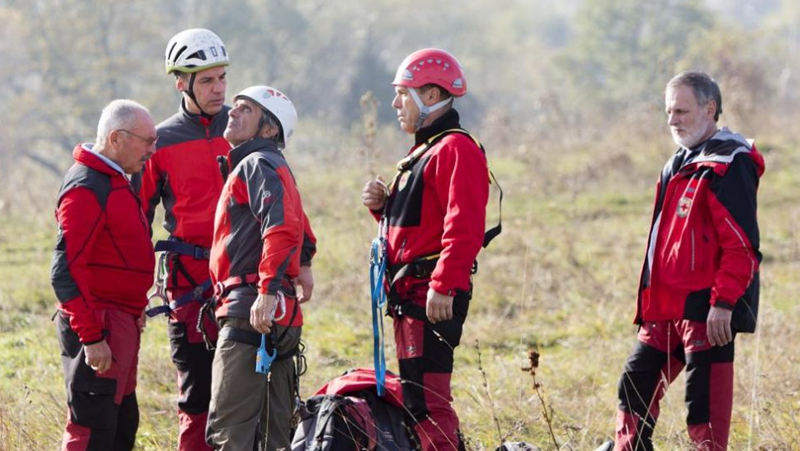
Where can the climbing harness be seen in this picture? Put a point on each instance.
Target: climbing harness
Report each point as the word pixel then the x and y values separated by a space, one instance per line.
pixel 407 162
pixel 172 249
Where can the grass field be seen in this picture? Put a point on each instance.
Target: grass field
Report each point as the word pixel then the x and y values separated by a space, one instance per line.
pixel 561 279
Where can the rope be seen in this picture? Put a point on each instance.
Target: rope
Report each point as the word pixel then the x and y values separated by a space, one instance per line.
pixel 377 270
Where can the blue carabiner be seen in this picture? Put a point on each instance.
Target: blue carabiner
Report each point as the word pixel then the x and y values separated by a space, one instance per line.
pixel 263 358
pixel 376 274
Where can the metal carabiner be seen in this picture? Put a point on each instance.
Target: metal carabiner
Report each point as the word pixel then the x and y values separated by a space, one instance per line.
pixel 160 283
pixel 280 302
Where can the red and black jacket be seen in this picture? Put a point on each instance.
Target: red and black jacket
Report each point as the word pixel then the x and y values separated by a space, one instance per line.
pixel 704 240
pixel 438 206
pixel 103 257
pixel 260 228
pixel 185 175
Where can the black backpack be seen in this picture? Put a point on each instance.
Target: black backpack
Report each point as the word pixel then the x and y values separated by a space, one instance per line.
pixel 358 421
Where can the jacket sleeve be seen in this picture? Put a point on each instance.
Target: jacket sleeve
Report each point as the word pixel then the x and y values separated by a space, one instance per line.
pixel 149 185
pixel 309 243
pixel 275 208
pixel 732 201
pixel 80 220
pixel 461 180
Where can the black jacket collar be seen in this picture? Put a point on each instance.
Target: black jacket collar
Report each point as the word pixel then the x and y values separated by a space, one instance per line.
pixel 447 121
pixel 241 151
pixel 202 119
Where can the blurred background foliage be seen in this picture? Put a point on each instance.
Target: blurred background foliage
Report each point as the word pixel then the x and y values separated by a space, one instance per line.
pixel 538 71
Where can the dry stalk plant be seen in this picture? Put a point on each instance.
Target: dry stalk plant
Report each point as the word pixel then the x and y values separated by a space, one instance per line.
pixel 547 411
pixel 369 118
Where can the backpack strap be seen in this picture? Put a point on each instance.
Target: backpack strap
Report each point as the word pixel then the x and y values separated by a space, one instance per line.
pixel 326 409
pixel 406 163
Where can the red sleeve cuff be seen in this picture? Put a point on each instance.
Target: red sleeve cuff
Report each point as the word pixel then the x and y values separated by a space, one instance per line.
pixel 91 342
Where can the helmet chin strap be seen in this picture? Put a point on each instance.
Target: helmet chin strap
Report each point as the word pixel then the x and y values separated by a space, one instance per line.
pixel 190 92
pixel 425 110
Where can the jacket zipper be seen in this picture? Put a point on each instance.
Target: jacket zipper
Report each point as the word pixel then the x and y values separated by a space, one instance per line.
pixel 693 253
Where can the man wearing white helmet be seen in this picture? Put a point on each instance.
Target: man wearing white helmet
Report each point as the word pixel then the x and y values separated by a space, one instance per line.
pixel 184 176
pixel 432 221
pixel 262 243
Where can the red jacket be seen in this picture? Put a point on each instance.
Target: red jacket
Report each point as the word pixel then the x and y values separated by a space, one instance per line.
pixel 439 206
pixel 103 257
pixel 260 228
pixel 704 242
pixel 184 174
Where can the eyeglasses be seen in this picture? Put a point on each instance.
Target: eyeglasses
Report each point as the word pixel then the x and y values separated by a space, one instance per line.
pixel 149 141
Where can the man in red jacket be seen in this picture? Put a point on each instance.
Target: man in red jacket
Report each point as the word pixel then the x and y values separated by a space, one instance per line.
pixel 262 244
pixel 184 175
pixel 699 283
pixel 433 217
pixel 101 270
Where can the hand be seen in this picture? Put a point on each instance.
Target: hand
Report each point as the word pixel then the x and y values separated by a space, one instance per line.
pixel 261 313
pixel 374 194
pixel 98 356
pixel 305 280
pixel 141 321
pixel 439 306
pixel 718 326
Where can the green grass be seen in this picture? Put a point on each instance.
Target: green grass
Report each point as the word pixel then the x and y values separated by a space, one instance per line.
pixel 561 279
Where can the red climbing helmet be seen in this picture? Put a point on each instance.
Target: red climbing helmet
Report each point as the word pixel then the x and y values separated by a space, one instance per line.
pixel 432 66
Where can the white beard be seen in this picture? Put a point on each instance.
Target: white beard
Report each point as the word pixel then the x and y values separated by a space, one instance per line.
pixel 689 140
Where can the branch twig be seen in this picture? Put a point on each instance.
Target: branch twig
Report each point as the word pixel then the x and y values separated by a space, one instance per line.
pixel 533 360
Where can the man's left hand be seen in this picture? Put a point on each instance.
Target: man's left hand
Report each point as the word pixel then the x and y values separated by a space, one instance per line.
pixel 718 326
pixel 305 280
pixel 439 306
pixel 261 313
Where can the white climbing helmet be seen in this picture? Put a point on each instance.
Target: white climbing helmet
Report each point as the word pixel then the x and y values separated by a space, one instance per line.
pixel 194 50
pixel 276 103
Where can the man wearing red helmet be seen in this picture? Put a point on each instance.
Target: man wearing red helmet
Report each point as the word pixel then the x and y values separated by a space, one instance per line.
pixel 433 216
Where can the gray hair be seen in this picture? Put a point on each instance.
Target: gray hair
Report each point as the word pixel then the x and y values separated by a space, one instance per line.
pixel 704 87
pixel 119 114
pixel 267 118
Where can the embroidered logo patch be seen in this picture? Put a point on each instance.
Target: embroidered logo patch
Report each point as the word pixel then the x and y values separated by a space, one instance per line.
pixel 403 181
pixel 684 205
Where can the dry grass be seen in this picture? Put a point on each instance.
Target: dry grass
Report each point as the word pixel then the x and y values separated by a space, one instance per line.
pixel 561 279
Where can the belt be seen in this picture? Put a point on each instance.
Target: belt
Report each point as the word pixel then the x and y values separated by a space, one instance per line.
pixel 175 246
pixel 223 287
